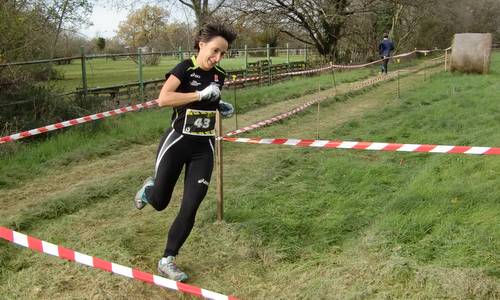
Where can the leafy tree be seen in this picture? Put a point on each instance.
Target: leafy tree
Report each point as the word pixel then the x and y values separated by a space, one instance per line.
pixel 100 43
pixel 143 26
pixel 31 28
pixel 23 28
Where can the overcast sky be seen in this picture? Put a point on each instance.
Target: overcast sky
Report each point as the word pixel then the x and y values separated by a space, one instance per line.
pixel 107 19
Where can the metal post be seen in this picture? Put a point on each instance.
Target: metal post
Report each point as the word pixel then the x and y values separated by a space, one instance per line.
pixel 218 165
pixel 181 57
pixel 84 71
pixel 141 81
pixel 270 71
pixel 246 57
pixel 268 52
pixel 235 104
pixel 305 55
pixel 287 54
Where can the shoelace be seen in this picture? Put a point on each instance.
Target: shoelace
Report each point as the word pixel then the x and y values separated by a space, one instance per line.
pixel 173 267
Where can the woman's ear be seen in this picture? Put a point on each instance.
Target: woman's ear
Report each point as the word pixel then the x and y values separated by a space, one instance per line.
pixel 201 45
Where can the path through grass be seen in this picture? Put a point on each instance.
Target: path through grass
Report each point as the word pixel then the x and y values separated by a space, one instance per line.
pixel 300 223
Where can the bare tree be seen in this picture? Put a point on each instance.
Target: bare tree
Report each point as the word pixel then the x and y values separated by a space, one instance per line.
pixel 202 10
pixel 66 12
pixel 319 23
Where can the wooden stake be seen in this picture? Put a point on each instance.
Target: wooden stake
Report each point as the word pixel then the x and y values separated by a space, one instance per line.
pixel 399 88
pixel 445 60
pixel 317 116
pixel 334 81
pixel 317 130
pixel 484 64
pixel 218 167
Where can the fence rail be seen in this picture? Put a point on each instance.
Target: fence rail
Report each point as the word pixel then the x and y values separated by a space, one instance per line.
pixel 178 53
pixel 263 71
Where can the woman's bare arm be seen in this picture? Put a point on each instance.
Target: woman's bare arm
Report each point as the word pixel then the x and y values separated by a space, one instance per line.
pixel 169 97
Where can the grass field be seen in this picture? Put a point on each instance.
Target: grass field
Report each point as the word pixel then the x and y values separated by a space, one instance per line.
pixel 105 72
pixel 299 223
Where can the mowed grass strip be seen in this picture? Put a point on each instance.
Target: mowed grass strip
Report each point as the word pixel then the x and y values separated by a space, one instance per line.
pixel 302 223
pixel 21 161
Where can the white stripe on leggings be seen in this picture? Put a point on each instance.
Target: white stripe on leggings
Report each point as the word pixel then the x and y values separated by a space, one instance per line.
pixel 211 145
pixel 164 149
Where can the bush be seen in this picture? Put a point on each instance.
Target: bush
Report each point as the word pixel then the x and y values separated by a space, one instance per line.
pixel 26 104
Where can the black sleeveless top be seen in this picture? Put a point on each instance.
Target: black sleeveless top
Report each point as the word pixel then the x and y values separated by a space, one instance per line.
pixel 195 119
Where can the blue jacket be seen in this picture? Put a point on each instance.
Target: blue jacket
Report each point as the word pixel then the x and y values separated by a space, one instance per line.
pixel 385 47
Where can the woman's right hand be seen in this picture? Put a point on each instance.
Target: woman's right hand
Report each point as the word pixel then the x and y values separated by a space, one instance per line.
pixel 210 93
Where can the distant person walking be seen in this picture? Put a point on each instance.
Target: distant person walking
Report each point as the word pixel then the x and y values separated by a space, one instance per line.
pixel 384 49
pixel 192 88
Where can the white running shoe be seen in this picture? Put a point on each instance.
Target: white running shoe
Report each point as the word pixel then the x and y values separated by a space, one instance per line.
pixel 140 199
pixel 168 268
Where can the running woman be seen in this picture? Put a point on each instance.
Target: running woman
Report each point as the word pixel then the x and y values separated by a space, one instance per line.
pixel 192 88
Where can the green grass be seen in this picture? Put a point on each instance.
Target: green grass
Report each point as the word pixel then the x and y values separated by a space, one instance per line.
pixel 28 160
pixel 299 223
pixel 103 72
pixel 436 209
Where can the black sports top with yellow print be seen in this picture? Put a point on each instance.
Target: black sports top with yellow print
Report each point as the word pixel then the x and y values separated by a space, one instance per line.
pixel 196 119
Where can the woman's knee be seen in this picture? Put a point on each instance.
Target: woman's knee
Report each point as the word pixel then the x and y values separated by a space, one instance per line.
pixel 160 204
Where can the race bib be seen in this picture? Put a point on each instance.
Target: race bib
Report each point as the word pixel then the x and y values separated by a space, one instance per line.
pixel 199 122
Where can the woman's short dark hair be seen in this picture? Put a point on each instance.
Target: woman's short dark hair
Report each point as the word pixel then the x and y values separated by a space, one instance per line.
pixel 209 31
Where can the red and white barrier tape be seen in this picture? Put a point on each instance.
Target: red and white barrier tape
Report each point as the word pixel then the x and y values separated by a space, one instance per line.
pixel 438 58
pixel 381 60
pixel 254 78
pixel 94 262
pixel 17 136
pixel 272 120
pixel 317 70
pixel 77 121
pixel 230 82
pixel 372 81
pixel 32 132
pixel 373 62
pixel 370 146
pixel 102 115
pixel 287 114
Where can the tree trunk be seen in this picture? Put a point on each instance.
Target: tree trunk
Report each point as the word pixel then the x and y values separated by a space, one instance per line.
pixel 59 26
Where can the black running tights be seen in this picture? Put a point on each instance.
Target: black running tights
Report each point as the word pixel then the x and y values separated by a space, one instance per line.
pixel 174 152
